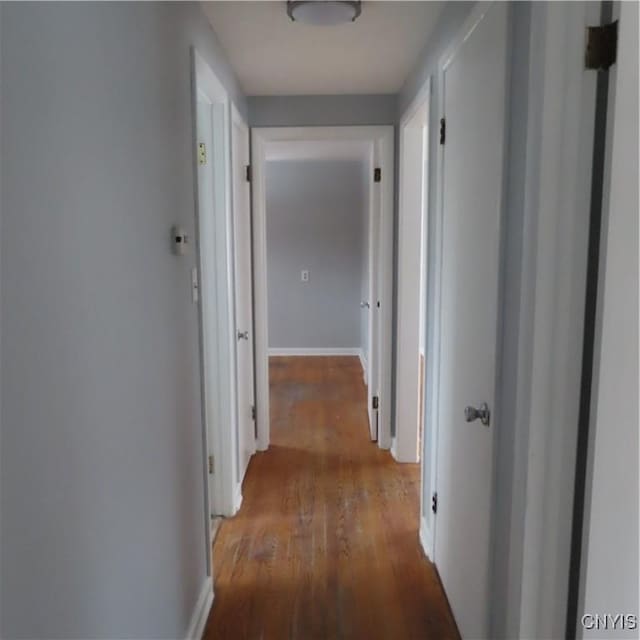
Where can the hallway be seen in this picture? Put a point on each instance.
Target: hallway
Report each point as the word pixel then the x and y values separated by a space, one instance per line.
pixel 326 542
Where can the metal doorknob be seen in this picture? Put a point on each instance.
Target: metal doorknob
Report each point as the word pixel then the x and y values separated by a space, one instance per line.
pixel 482 413
pixel 364 305
pixel 243 335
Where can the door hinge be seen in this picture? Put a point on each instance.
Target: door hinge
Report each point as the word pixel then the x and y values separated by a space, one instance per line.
pixel 602 46
pixel 211 465
pixel 443 130
pixel 202 153
pixel 377 174
pixel 434 503
pixel 375 402
pixel 248 175
pixel 253 412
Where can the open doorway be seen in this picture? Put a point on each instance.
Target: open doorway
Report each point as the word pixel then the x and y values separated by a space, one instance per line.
pixel 370 301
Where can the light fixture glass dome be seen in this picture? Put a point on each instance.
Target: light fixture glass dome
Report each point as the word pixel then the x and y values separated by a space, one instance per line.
pixel 323 12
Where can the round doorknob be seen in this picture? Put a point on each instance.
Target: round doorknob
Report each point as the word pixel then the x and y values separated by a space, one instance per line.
pixel 364 305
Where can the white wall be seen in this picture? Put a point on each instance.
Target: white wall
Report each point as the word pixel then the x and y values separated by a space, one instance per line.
pixel 101 444
pixel 314 222
pixel 611 562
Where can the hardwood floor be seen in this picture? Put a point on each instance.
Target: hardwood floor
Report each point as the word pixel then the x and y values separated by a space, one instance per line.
pixel 326 543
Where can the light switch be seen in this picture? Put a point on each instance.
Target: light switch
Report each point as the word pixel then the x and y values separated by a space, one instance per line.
pixel 304 276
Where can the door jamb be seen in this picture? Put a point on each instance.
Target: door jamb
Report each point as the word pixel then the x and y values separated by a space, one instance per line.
pixel 554 262
pixel 421 100
pixel 382 137
pixel 217 386
pixel 236 118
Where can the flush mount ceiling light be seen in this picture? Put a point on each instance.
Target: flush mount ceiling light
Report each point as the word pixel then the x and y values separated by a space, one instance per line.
pixel 324 12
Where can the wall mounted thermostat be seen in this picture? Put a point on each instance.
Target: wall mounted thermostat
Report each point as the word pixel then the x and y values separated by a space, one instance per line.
pixel 179 240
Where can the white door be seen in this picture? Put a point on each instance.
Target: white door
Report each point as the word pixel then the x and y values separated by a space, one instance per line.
pixel 246 444
pixel 472 156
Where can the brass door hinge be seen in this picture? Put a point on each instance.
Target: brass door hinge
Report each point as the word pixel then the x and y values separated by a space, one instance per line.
pixel 202 153
pixel 602 46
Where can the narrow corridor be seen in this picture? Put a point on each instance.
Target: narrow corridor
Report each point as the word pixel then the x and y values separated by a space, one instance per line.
pixel 326 542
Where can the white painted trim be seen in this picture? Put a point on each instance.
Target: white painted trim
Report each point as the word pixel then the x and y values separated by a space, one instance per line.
pixel 315 351
pixel 237 498
pixel 426 540
pixel 557 207
pixel 410 291
pixel 386 159
pixel 238 121
pixel 393 449
pixel 200 611
pixel 382 140
pixel 214 257
pixel 363 364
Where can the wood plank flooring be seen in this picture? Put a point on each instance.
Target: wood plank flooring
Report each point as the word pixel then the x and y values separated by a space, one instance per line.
pixel 326 542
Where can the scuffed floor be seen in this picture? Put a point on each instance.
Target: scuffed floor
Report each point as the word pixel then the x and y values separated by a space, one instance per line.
pixel 326 543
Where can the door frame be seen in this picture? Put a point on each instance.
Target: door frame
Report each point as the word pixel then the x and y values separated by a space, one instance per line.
pixel 405 444
pixel 558 181
pixel 238 120
pixel 216 322
pixel 382 139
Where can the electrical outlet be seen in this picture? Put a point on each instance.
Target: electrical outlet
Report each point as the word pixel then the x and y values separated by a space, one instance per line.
pixel 304 276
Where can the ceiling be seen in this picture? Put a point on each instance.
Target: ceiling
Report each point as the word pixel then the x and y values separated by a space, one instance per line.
pixel 273 56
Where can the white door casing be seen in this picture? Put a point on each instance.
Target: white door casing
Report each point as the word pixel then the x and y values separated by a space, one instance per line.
pixel 214 245
pixel 473 78
pixel 382 200
pixel 204 114
pixel 413 198
pixel 243 295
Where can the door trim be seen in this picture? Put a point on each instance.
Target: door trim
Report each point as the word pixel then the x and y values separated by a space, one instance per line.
pixel 381 137
pixel 238 120
pixel 405 446
pixel 216 326
pixel 556 217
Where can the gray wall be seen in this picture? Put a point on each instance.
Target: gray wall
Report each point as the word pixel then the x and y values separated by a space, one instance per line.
pixel 101 443
pixel 340 110
pixel 315 222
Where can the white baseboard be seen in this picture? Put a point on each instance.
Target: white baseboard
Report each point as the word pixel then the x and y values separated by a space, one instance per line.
pixel 363 363
pixel 394 452
pixel 425 539
pixel 313 351
pixel 201 611
pixel 237 498
pixel 400 457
